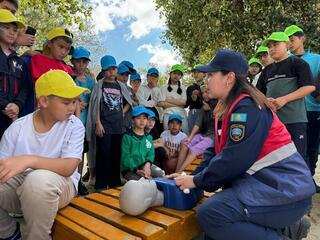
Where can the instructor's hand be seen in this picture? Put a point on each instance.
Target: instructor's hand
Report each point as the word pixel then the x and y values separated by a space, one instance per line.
pixel 185 182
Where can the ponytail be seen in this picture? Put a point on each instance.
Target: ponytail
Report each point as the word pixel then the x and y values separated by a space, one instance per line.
pixel 169 88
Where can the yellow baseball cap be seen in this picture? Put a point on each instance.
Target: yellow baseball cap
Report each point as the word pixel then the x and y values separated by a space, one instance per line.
pixel 59 32
pixel 7 17
pixel 58 83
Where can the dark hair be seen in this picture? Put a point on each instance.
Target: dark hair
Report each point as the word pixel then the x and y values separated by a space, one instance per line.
pixel 169 88
pixel 242 85
pixel 299 34
pixel 13 2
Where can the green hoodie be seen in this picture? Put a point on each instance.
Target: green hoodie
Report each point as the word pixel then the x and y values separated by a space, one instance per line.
pixel 136 151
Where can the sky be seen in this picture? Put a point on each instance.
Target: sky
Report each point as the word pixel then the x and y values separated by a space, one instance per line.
pixel 132 30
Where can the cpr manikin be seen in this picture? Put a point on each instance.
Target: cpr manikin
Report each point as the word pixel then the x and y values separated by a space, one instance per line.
pixel 137 196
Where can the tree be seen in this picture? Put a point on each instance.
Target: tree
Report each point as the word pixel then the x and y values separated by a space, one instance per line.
pixel 47 14
pixel 197 28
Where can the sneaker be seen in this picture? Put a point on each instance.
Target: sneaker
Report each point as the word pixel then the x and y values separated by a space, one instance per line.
pixel 298 230
pixel 16 235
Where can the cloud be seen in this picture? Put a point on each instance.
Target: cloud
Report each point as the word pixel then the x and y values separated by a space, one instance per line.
pixel 141 14
pixel 161 57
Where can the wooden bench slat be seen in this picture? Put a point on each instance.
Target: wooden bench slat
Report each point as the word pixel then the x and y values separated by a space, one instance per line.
pixel 156 218
pixel 118 219
pixel 113 192
pixel 66 229
pixel 96 226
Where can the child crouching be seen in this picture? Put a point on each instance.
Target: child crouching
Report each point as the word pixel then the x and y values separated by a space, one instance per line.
pixel 137 151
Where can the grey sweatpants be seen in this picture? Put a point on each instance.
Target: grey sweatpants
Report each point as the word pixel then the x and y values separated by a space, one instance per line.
pixel 38 195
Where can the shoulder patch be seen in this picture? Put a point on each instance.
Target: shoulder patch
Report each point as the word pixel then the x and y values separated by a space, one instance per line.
pixel 237 132
pixel 238 117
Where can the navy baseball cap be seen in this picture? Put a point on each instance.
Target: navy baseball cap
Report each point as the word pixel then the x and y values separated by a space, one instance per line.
pixel 139 110
pixel 153 72
pixel 227 60
pixel 175 116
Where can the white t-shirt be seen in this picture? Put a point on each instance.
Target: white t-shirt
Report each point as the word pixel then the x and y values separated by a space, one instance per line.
pixel 173 142
pixel 173 94
pixel 63 140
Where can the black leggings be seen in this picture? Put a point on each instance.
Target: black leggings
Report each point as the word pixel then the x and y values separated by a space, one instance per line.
pixel 108 161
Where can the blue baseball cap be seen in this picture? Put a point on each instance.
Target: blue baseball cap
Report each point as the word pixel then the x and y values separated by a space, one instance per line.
pixel 153 72
pixel 135 77
pixel 108 62
pixel 139 110
pixel 129 65
pixel 123 69
pixel 227 60
pixel 152 114
pixel 80 52
pixel 175 116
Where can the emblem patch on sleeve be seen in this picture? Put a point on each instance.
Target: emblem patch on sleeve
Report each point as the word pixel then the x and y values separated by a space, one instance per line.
pixel 237 132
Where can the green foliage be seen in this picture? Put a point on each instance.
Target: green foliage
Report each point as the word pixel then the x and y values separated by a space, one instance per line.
pixel 197 28
pixel 47 14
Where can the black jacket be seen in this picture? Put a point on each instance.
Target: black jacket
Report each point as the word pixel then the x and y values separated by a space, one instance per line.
pixel 13 80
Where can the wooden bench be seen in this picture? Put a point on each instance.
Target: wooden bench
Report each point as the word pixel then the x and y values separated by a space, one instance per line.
pixel 98 216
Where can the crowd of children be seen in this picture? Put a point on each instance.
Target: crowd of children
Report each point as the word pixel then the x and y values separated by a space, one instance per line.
pixel 54 115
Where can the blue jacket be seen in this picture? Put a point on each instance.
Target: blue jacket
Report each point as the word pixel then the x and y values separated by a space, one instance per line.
pixel 285 181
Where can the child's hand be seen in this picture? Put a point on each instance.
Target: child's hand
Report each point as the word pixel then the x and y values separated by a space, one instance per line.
pixel 10 167
pixel 147 170
pixel 100 129
pixel 173 175
pixel 279 102
pixel 12 110
pixel 272 102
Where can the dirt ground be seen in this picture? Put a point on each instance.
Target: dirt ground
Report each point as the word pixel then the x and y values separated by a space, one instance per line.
pixel 315 213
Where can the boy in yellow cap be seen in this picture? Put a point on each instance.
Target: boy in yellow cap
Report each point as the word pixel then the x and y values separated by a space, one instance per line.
pixel 57 47
pixel 39 156
pixel 13 72
pixel 286 82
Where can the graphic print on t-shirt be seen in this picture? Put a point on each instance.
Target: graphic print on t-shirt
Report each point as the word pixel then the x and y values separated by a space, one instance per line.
pixel 112 98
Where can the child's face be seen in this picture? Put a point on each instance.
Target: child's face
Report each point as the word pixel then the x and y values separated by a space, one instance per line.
pixel 123 78
pixel 151 123
pixel 135 85
pixel 205 95
pixel 141 121
pixel 296 42
pixel 60 109
pixel 265 59
pixel 175 77
pixel 174 127
pixel 110 73
pixel 80 65
pixel 8 6
pixel 59 48
pixel 254 69
pixel 152 81
pixel 8 33
pixel 198 76
pixel 278 50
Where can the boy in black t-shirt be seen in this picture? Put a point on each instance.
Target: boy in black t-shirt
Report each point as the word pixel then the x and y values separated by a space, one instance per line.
pixel 286 82
pixel 109 127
